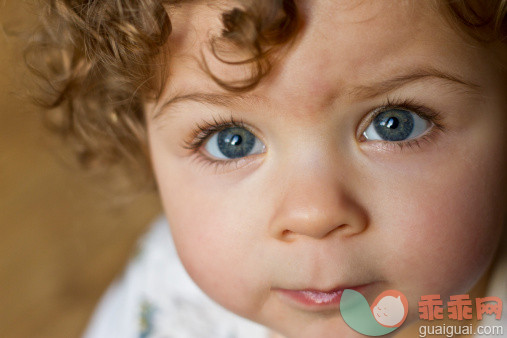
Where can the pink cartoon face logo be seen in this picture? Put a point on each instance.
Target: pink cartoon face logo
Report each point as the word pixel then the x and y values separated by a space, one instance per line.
pixel 390 308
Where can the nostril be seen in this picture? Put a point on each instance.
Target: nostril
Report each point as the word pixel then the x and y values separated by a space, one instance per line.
pixel 287 235
pixel 348 230
pixel 286 232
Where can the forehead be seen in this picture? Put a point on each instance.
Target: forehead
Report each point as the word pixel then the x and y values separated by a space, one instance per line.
pixel 342 45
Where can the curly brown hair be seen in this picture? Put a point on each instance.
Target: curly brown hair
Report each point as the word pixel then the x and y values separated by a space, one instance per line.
pixel 100 60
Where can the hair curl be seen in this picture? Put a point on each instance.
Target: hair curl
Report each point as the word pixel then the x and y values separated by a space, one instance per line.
pixel 98 60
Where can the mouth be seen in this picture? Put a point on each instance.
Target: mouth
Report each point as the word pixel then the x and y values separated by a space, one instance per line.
pixel 316 300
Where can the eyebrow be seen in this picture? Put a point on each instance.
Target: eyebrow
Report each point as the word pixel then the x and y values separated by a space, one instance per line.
pixel 228 99
pixel 358 92
pixel 368 92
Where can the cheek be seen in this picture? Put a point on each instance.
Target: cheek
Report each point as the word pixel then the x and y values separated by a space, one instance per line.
pixel 213 234
pixel 448 224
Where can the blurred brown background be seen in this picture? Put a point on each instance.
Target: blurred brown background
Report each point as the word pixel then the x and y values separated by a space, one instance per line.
pixel 63 236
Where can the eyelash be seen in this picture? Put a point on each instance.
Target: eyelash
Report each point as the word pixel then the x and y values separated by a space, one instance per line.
pixel 205 129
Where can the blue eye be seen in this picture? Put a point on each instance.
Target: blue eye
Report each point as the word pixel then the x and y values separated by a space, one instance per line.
pixel 396 125
pixel 232 143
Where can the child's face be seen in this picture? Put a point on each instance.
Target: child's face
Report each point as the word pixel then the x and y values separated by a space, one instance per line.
pixel 309 202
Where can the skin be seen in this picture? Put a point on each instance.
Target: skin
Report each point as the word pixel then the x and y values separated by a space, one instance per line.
pixel 322 207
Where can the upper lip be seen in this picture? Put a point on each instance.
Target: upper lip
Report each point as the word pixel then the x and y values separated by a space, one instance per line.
pixel 324 290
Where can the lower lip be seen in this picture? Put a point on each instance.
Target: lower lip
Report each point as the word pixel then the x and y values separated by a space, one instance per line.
pixel 315 300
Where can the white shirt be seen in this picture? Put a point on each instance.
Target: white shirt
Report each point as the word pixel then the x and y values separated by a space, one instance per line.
pixel 156 298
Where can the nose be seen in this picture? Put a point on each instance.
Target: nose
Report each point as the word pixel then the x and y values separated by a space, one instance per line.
pixel 316 205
